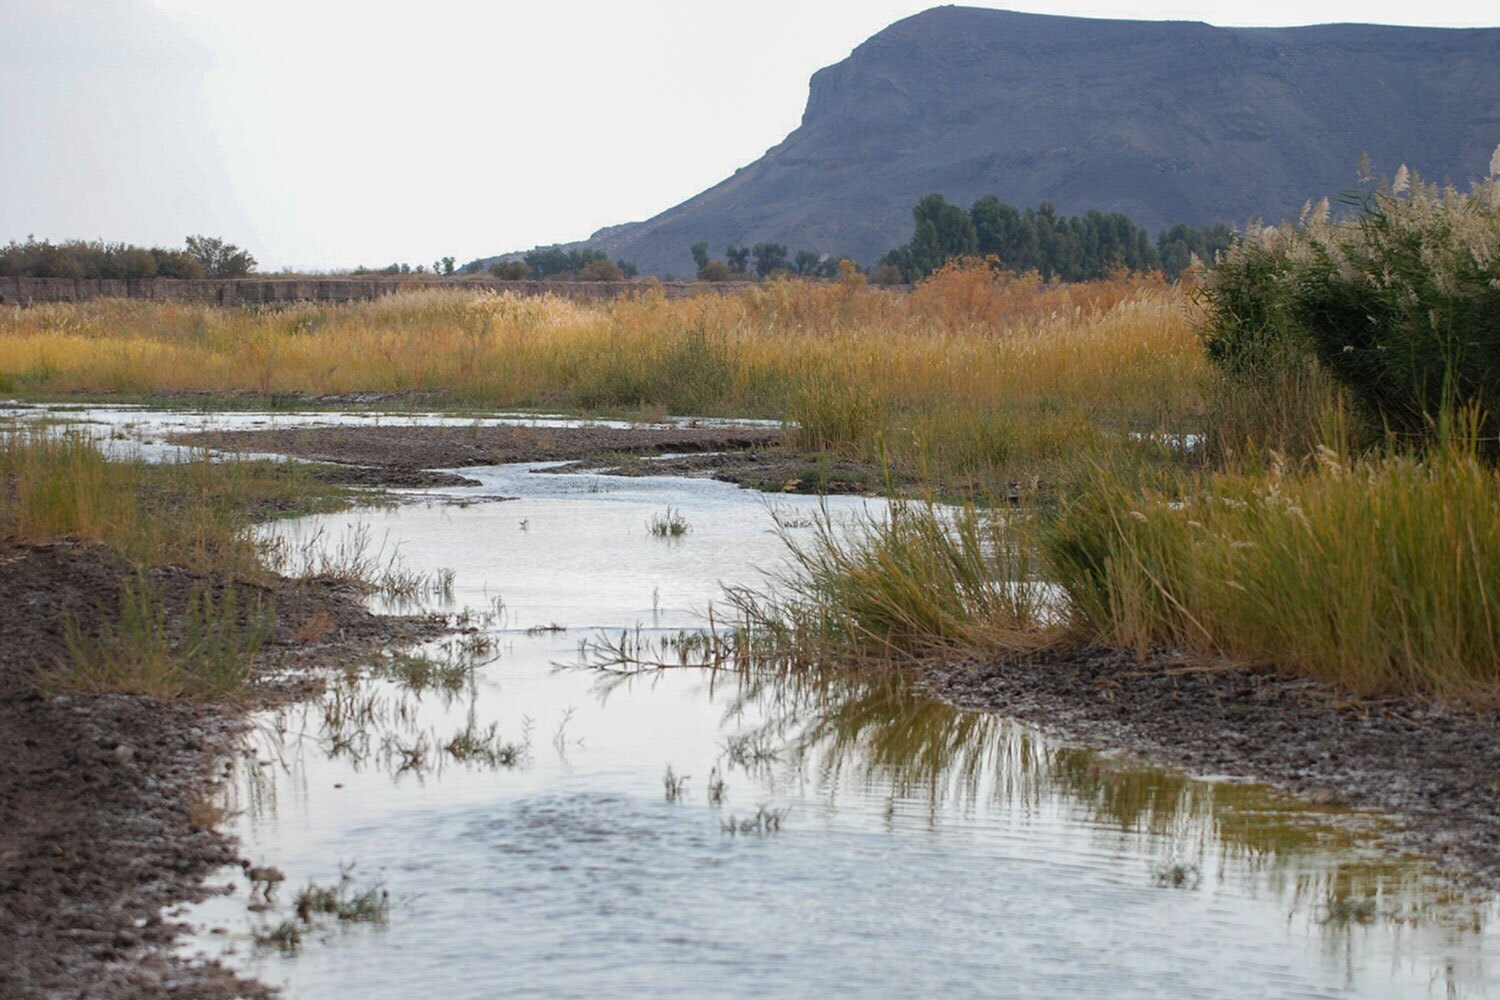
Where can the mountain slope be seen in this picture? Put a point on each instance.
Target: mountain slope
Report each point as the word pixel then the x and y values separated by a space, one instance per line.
pixel 1166 121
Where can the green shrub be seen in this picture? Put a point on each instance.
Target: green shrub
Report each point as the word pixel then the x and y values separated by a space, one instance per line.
pixel 1398 303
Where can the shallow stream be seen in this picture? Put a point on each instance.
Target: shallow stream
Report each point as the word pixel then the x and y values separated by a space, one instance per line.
pixel 833 835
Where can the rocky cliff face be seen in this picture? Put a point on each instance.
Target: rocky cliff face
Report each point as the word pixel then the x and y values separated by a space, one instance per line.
pixel 1166 121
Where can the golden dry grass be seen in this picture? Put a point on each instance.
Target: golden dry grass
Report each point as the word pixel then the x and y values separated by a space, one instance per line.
pixel 974 373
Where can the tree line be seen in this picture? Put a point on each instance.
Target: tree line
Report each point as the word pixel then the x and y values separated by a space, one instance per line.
pixel 1076 248
pixel 557 264
pixel 200 257
pixel 766 259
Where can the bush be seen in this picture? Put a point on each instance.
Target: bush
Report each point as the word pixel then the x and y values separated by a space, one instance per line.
pixel 1397 303
pixel 510 270
pixel 601 270
pixel 716 270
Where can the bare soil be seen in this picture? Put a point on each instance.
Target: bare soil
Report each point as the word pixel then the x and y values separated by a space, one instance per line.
pixel 1436 767
pixel 101 795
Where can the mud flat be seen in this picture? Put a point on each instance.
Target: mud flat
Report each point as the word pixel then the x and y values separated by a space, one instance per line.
pixel 104 814
pixel 401 451
pixel 408 456
pixel 1436 767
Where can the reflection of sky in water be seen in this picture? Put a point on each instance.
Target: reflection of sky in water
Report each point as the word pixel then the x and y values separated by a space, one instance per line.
pixel 926 850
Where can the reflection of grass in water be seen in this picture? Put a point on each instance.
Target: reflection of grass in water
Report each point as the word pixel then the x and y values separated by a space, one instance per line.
pixel 1341 910
pixel 484 745
pixel 764 822
pixel 366 721
pixel 419 672
pixel 872 729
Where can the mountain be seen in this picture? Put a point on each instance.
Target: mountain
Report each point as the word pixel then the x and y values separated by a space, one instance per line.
pixel 1165 121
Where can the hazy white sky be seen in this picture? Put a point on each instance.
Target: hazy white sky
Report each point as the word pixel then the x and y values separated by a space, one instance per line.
pixel 323 133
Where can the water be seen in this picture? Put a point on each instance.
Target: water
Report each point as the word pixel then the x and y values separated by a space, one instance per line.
pixel 921 851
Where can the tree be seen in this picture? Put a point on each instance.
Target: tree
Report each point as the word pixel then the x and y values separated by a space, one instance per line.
pixel 700 255
pixel 806 263
pixel 943 231
pixel 447 263
pixel 627 267
pixel 738 258
pixel 769 258
pixel 219 259
pixel 177 264
pixel 137 262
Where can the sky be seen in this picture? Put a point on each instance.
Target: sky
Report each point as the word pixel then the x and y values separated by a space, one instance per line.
pixel 322 134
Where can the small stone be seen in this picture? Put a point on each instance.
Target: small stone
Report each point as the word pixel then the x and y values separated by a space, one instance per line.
pixel 123 753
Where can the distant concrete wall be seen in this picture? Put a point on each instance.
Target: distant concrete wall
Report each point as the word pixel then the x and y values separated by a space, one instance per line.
pixel 251 291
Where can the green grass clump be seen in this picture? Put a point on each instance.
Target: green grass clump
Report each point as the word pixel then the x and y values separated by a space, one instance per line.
pixel 206 651
pixel 1378 576
pixel 194 514
pixel 924 581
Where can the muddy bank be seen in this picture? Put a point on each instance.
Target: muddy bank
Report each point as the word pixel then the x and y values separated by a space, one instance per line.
pixel 103 818
pixel 752 457
pixel 770 470
pixel 1436 767
pixel 401 452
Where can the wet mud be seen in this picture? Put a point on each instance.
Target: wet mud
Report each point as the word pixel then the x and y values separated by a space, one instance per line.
pixel 395 454
pixel 104 815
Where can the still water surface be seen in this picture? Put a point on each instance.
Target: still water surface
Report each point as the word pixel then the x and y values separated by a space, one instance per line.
pixel 921 850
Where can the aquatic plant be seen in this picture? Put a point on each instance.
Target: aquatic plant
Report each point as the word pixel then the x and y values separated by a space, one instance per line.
pixel 670 524
pixel 675 784
pixel 342 901
pixel 286 936
pixel 763 822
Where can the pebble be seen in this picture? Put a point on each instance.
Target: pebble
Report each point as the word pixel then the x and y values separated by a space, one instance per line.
pixel 123 753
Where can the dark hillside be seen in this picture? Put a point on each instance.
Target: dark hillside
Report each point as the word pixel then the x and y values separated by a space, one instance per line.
pixel 1165 121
